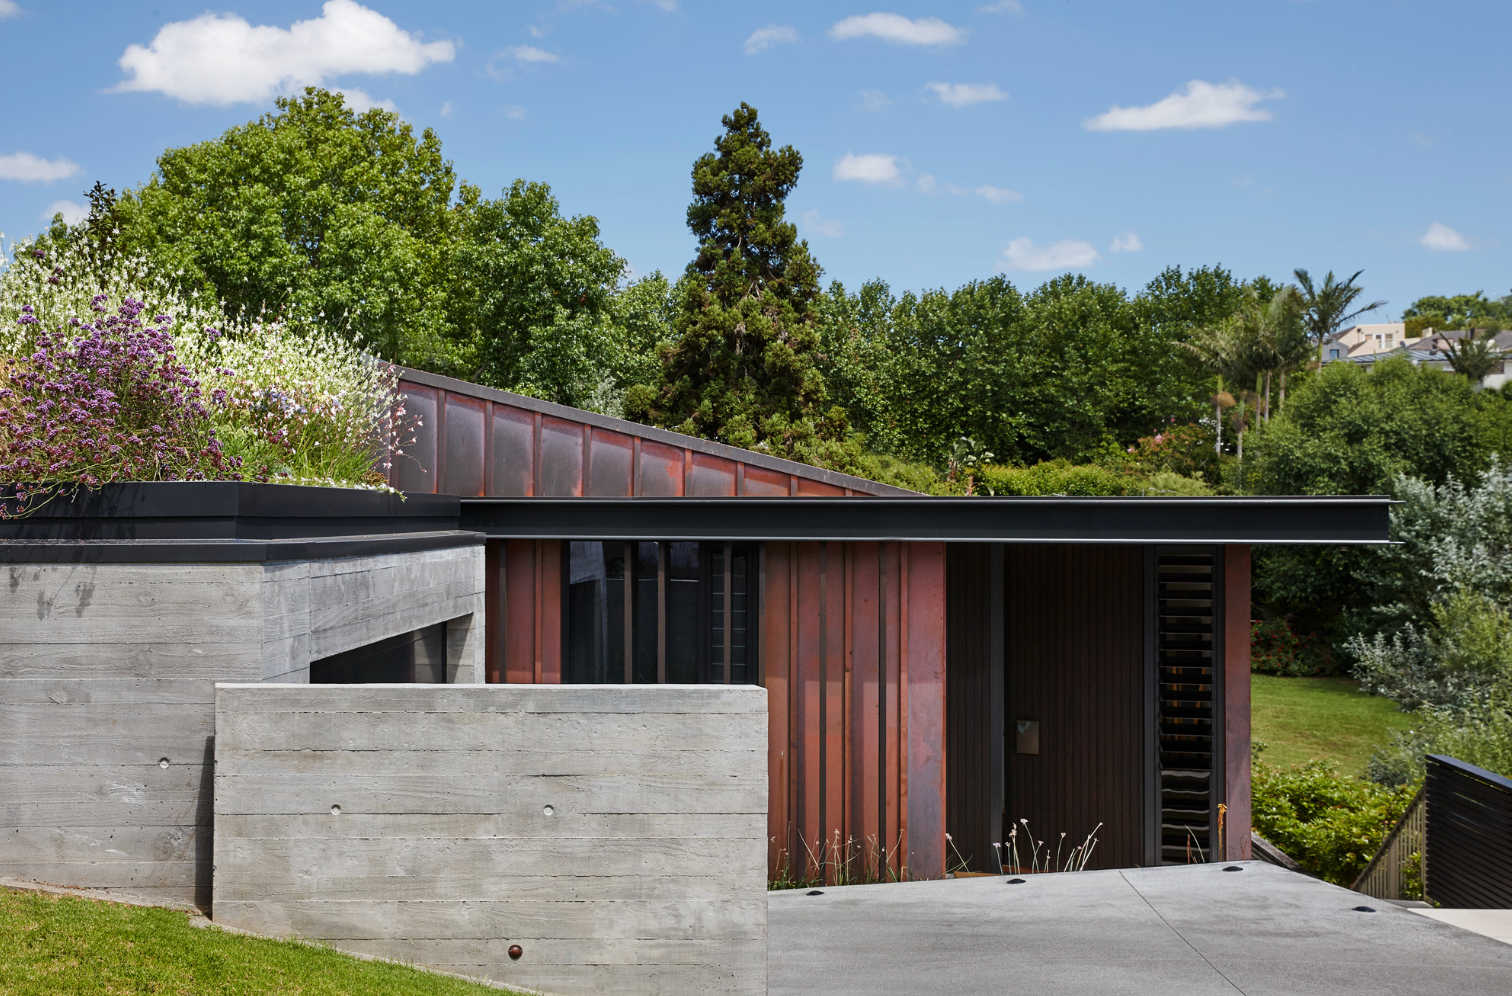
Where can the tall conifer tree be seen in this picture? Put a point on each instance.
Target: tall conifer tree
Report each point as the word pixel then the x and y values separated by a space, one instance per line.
pixel 742 364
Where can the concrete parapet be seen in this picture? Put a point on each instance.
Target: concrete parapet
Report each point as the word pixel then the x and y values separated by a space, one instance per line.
pixel 107 692
pixel 616 834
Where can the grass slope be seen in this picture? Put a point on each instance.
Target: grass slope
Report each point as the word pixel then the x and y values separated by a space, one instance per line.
pixel 62 944
pixel 1330 718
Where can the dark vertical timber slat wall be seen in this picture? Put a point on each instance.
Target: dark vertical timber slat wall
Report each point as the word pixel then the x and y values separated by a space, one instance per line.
pixel 974 702
pixel 1074 650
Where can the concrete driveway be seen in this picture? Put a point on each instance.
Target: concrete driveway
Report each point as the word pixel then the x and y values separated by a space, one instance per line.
pixel 1173 931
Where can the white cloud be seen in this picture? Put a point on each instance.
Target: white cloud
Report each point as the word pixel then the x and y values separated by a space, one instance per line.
pixel 531 54
pixel 1002 7
pixel 927 184
pixel 812 222
pixel 514 112
pixel 9 8
pixel 898 29
pixel 34 169
pixel 1128 242
pixel 668 6
pixel 997 195
pixel 873 167
pixel 1067 254
pixel 963 94
pixel 1197 105
pixel 773 34
pixel 1441 238
pixel 875 100
pixel 72 211
pixel 446 109
pixel 359 100
pixel 221 59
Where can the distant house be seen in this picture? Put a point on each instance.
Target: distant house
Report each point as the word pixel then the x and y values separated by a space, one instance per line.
pixel 1366 344
pixel 1364 341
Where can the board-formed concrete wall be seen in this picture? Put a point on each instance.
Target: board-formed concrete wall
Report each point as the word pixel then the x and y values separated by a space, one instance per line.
pixel 617 834
pixel 107 693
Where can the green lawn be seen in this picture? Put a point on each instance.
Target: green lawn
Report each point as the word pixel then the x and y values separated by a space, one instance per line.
pixel 1306 718
pixel 62 944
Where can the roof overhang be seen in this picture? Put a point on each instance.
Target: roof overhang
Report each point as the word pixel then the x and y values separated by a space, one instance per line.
pixel 1362 520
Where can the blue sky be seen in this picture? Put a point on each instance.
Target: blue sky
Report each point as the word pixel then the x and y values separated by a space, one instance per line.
pixel 943 142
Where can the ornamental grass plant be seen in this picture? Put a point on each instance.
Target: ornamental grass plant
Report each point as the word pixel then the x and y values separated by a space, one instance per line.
pixel 107 373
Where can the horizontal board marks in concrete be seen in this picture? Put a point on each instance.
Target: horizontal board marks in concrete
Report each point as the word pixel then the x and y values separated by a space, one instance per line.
pixel 599 827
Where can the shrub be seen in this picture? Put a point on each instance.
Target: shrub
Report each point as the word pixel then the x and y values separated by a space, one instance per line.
pixel 301 407
pixel 101 401
pixel 1329 823
pixel 1480 735
pixel 294 404
pixel 1276 649
pixel 1055 477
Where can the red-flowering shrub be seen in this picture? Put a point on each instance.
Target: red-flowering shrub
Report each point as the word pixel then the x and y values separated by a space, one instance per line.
pixel 1276 649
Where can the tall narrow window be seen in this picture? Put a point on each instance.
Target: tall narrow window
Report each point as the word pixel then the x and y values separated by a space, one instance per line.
pixel 736 578
pixel 682 613
pixel 596 608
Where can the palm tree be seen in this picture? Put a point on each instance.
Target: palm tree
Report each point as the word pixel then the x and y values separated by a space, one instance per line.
pixel 1279 336
pixel 1327 306
pixel 1226 349
pixel 1474 356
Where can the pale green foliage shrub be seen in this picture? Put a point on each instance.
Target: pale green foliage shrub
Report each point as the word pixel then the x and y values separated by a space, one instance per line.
pixel 1480 734
pixel 1061 477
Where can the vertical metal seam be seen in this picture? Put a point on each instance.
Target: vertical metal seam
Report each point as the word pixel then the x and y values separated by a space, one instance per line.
pixel 585 480
pixel 539 599
pixel 635 469
pixel 437 478
pixel 904 855
pixel 1218 780
pixel 823 703
pixel 535 460
pixel 488 448
pixel 502 646
pixel 847 823
pixel 795 769
pixel 882 864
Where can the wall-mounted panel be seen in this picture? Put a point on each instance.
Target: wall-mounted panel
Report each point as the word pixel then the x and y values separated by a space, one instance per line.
pixel 513 452
pixel 766 483
pixel 856 675
pixel 661 470
pixel 561 458
pixel 414 468
pixel 818 488
pixel 465 427
pixel 711 477
pixel 611 465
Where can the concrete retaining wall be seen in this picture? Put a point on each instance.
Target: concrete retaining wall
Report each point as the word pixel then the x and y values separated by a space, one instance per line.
pixel 107 693
pixel 617 834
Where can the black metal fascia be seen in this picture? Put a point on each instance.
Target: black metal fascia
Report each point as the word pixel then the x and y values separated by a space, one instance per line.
pixel 1343 520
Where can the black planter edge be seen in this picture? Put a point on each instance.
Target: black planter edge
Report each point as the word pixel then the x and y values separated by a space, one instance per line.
pixel 229 551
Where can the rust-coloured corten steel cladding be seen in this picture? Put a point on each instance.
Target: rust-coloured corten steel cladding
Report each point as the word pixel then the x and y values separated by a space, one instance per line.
pixel 857 750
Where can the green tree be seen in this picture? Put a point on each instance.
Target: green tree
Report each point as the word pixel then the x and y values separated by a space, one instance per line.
pixel 352 222
pixel 533 298
pixel 1474 356
pixel 742 364
pixel 1350 432
pixel 1457 312
pixel 312 212
pixel 1328 304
